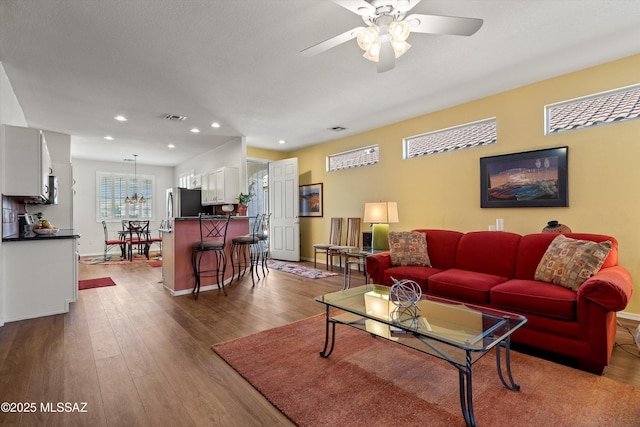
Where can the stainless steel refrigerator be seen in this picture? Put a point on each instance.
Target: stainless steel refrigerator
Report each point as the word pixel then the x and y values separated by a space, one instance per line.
pixel 182 202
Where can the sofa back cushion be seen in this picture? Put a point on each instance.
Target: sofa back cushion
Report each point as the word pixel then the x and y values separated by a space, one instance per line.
pixel 442 246
pixel 490 252
pixel 533 246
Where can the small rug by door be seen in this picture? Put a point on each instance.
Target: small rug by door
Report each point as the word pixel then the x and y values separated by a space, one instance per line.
pixel 95 283
pixel 299 270
pixel 370 381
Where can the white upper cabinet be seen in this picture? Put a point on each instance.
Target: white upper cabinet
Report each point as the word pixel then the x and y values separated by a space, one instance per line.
pixel 221 186
pixel 27 164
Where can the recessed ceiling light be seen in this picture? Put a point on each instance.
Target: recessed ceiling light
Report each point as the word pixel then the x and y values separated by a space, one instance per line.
pixel 109 138
pixel 120 118
pixel 215 125
pixel 171 146
pixel 281 141
pixel 195 130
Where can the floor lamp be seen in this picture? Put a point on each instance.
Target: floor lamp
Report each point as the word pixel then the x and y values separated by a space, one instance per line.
pixel 380 215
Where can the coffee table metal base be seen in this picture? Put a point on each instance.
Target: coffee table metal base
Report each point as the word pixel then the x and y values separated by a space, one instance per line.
pixel 464 371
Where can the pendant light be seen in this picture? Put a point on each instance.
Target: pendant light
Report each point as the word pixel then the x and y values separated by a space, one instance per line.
pixel 134 198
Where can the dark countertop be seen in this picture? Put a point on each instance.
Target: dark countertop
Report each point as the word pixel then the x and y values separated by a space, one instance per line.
pixel 195 218
pixel 30 237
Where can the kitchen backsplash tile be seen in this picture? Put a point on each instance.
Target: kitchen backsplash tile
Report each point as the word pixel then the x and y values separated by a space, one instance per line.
pixel 10 211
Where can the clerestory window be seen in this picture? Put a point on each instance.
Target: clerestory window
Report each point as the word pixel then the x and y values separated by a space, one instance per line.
pixel 354 158
pixel 468 135
pixel 603 108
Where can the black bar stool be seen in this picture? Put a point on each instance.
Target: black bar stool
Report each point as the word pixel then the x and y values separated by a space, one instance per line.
pixel 264 244
pixel 213 239
pixel 245 250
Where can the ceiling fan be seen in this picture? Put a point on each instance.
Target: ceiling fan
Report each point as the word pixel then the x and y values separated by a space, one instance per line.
pixel 385 37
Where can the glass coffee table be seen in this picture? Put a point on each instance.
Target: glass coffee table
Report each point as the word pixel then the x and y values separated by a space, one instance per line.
pixel 458 333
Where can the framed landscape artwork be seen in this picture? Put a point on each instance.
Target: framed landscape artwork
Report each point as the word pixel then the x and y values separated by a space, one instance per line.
pixel 311 200
pixel 528 179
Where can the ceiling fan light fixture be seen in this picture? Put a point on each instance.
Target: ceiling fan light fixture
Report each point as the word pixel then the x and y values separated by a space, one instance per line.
pixel 399 30
pixel 367 38
pixel 399 48
pixel 373 53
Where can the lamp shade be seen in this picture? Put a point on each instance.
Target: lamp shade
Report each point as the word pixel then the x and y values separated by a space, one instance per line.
pixel 381 212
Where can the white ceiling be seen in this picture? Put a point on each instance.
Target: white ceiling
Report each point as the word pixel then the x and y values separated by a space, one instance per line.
pixel 75 64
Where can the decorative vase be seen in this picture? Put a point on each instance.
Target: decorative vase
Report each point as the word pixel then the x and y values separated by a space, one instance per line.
pixel 556 227
pixel 242 210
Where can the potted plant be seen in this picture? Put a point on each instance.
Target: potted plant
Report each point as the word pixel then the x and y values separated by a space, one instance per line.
pixel 243 199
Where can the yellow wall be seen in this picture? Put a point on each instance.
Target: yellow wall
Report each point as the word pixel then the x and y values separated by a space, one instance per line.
pixel 442 190
pixel 260 153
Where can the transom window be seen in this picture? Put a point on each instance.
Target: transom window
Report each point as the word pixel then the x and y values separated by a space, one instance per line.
pixel 468 135
pixel 111 191
pixel 603 108
pixel 354 158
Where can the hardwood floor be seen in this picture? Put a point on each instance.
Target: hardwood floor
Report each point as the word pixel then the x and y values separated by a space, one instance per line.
pixel 138 356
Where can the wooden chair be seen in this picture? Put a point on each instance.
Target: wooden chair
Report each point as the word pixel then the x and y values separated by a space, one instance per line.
pixel 335 238
pixel 111 243
pixel 352 241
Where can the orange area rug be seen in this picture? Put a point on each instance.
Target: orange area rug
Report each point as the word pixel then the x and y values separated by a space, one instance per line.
pixel 370 381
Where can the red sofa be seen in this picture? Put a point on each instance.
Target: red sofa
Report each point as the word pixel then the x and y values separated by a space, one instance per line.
pixel 497 269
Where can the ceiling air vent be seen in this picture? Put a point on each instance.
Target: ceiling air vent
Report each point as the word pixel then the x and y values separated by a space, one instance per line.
pixel 337 128
pixel 174 117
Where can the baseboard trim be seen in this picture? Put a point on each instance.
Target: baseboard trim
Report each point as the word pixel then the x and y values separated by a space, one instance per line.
pixel 629 316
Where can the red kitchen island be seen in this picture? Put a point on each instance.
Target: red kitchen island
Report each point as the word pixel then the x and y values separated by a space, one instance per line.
pixel 177 272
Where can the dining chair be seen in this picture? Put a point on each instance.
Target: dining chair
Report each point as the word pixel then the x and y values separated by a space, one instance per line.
pixel 138 236
pixel 158 240
pixel 111 243
pixel 335 237
pixel 352 241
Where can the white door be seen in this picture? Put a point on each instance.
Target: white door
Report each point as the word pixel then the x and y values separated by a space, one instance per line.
pixel 284 227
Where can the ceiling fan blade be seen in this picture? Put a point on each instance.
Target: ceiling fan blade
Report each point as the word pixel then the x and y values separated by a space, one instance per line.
pixel 435 24
pixel 359 7
pixel 332 42
pixel 386 57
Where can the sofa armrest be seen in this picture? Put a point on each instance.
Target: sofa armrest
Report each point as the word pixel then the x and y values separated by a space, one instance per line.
pixel 376 264
pixel 610 288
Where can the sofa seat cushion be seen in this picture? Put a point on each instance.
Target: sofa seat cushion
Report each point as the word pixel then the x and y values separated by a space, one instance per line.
pixel 464 285
pixel 417 274
pixel 540 298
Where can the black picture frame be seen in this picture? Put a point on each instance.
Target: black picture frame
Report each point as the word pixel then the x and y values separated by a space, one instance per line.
pixel 522 180
pixel 311 200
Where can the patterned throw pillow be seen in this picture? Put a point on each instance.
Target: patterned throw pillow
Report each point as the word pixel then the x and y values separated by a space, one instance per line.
pixel 408 248
pixel 570 262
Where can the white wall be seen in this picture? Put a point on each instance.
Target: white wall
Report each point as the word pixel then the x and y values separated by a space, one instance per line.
pixel 232 154
pixel 84 202
pixel 10 110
